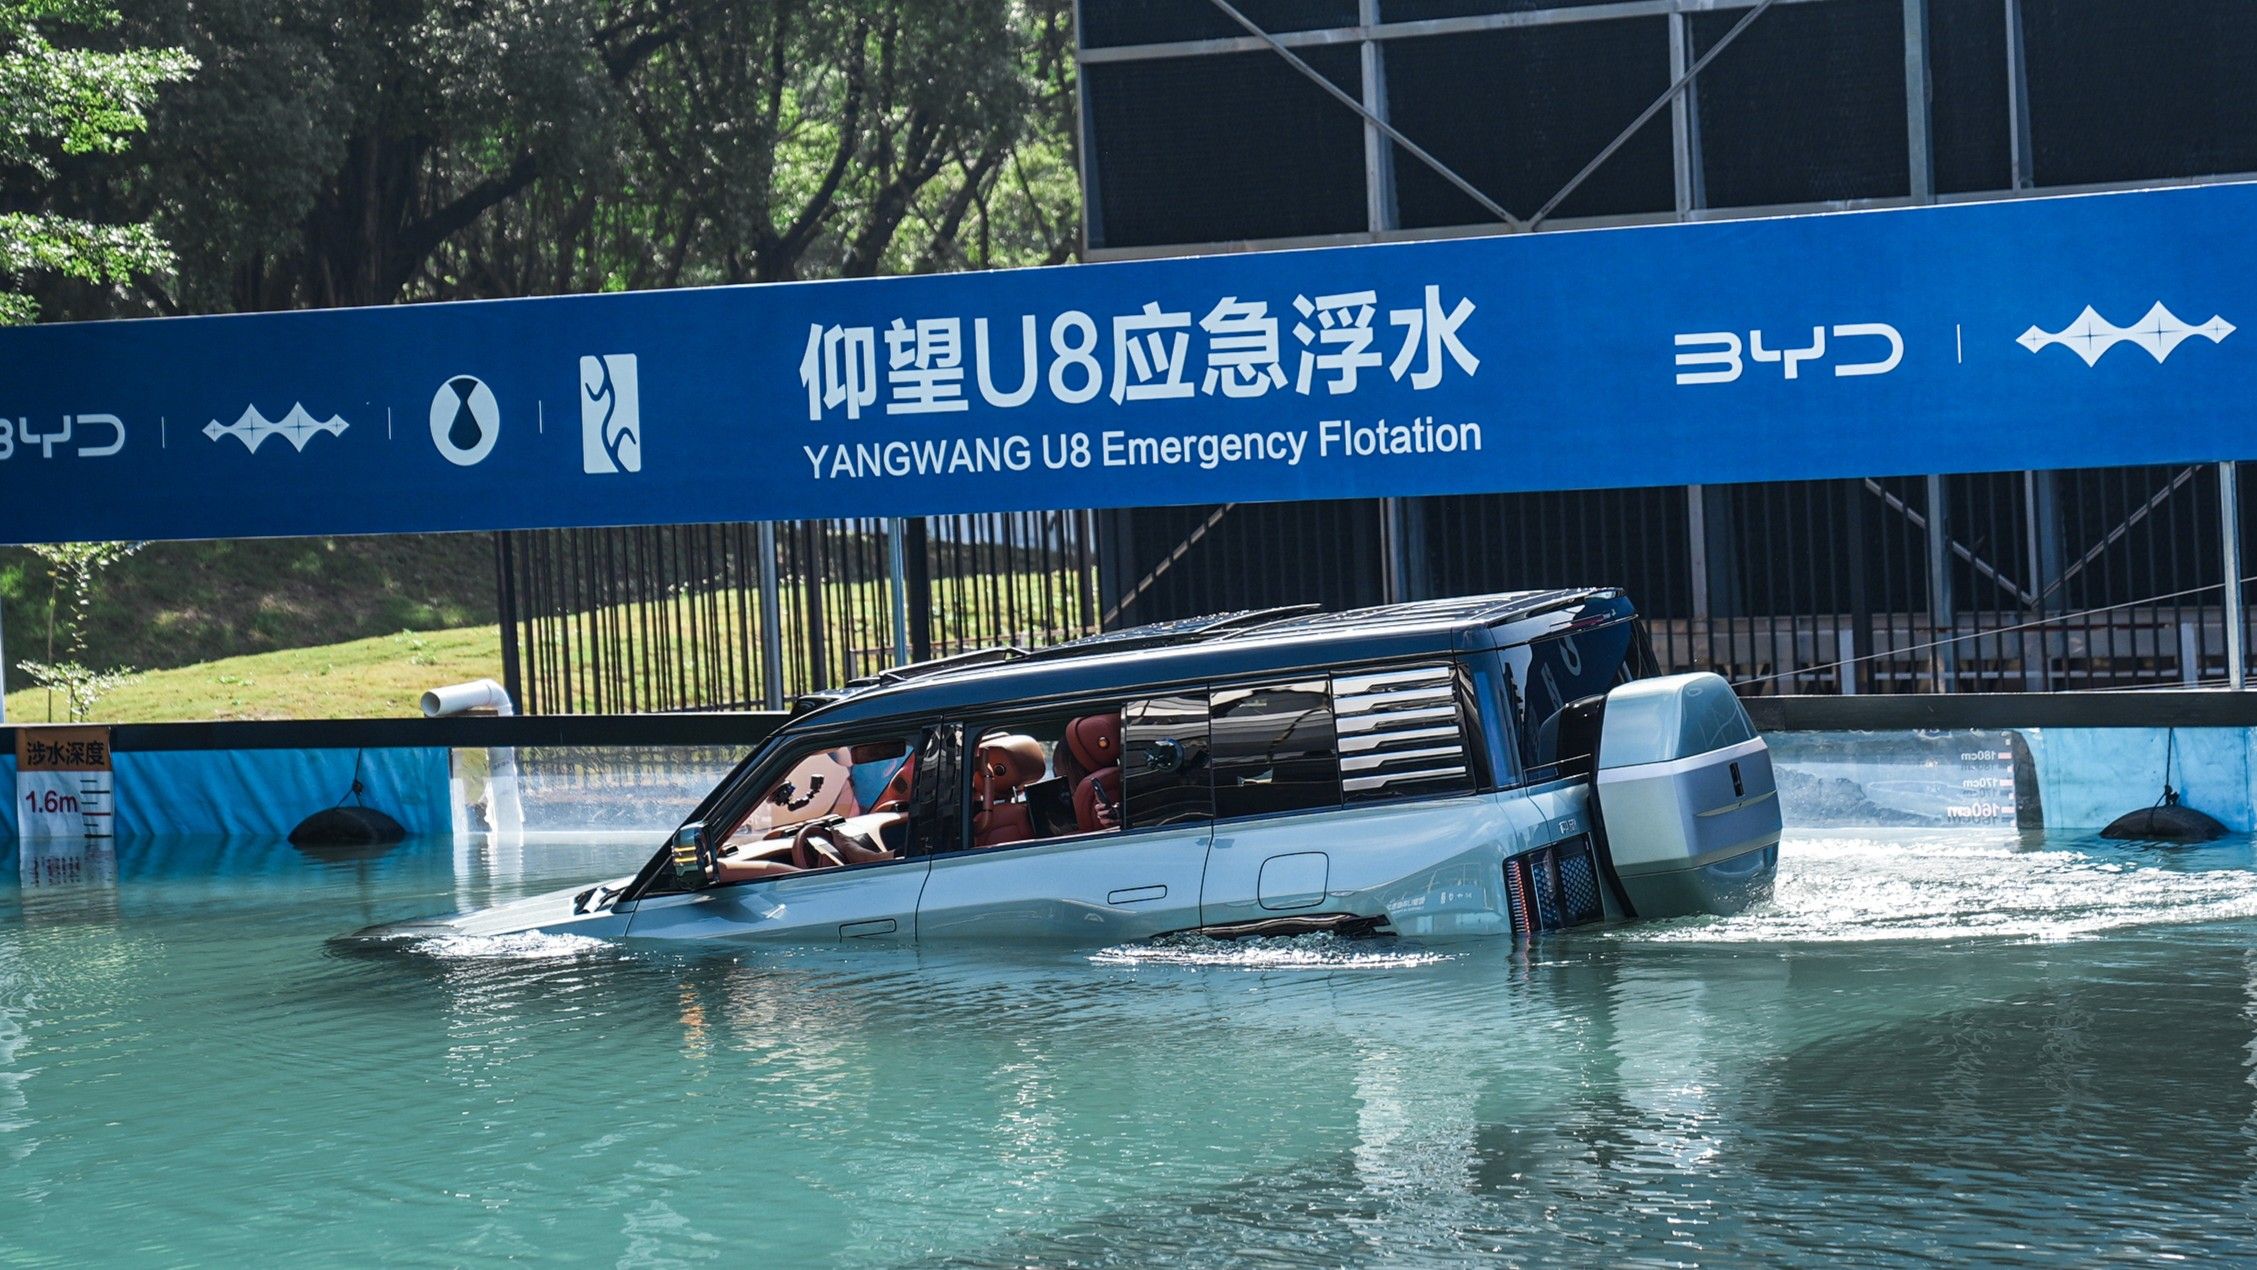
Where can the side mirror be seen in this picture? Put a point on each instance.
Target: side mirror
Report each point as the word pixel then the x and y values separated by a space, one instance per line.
pixel 692 854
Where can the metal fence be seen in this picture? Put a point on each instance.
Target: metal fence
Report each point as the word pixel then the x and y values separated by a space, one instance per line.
pixel 2027 581
pixel 2017 581
pixel 747 616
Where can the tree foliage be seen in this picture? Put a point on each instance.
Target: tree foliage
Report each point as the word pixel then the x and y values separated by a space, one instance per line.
pixel 337 152
pixel 76 567
pixel 58 103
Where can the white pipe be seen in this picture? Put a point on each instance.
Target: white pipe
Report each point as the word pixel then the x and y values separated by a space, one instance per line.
pixel 505 809
pixel 478 694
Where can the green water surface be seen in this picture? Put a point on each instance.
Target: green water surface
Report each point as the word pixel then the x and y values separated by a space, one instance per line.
pixel 1931 1045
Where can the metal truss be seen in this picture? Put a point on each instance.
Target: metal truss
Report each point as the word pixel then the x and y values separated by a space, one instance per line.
pixel 1681 99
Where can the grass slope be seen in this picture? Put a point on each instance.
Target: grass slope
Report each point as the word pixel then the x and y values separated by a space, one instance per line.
pixel 183 603
pixel 378 677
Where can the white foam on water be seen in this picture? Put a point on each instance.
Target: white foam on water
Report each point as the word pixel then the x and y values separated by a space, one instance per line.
pixel 1972 884
pixel 1288 952
pixel 518 946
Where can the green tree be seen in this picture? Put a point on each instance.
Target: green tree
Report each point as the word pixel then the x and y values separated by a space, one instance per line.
pixel 58 101
pixel 76 567
pixel 337 152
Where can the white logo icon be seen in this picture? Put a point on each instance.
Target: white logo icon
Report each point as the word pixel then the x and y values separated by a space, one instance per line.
pixel 465 420
pixel 2091 335
pixel 1714 357
pixel 297 428
pixel 21 433
pixel 611 415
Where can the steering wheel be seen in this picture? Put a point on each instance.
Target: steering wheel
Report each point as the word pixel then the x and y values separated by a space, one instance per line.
pixel 813 847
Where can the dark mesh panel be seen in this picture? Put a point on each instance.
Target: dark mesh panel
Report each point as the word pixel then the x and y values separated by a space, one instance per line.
pixel 1256 555
pixel 1519 112
pixel 1108 23
pixel 1818 547
pixel 1632 538
pixel 1420 10
pixel 1579 884
pixel 2128 90
pixel 1208 149
pixel 1968 138
pixel 1807 106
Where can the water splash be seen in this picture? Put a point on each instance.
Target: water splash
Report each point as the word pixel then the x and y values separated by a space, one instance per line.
pixel 1290 952
pixel 522 946
pixel 1928 886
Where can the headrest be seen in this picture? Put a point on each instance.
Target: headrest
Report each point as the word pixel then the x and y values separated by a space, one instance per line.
pixel 1007 764
pixel 1095 740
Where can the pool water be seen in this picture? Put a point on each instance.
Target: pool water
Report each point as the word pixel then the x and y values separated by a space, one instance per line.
pixel 1930 1045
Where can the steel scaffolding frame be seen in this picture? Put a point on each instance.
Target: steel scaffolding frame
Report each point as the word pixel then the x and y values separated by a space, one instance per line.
pixel 1371 37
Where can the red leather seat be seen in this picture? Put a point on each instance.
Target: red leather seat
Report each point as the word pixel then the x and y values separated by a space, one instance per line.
pixel 1095 742
pixel 1006 765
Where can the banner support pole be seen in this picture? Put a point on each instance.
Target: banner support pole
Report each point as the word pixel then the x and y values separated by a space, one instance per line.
pixel 2229 514
pixel 771 622
pixel 897 576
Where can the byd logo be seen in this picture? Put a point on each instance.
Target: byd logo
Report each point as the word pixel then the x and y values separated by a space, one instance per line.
pixel 1719 357
pixel 19 432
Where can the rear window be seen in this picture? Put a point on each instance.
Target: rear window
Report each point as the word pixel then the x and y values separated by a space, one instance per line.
pixel 1549 673
pixel 1400 733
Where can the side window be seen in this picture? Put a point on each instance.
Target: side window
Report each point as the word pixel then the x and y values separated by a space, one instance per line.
pixel 829 805
pixel 1051 776
pixel 1400 733
pixel 1166 778
pixel 1274 749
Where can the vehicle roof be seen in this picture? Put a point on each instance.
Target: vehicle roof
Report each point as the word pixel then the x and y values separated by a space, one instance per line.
pixel 1147 658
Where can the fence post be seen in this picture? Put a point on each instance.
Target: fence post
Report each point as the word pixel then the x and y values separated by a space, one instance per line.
pixel 2229 512
pixel 897 580
pixel 920 548
pixel 1860 602
pixel 771 622
pixel 1943 624
pixel 505 603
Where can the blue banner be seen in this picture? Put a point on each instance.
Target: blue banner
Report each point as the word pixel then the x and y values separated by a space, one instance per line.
pixel 2053 333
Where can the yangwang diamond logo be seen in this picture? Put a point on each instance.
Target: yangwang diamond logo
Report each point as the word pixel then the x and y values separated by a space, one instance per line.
pixel 297 427
pixel 2091 335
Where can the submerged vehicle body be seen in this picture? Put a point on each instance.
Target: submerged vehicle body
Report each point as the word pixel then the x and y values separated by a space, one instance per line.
pixel 1504 764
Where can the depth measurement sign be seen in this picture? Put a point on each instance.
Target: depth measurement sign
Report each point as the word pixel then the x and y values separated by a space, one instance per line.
pixel 2041 333
pixel 64 785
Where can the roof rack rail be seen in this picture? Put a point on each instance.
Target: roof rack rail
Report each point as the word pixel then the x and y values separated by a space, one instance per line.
pixel 954 661
pixel 940 665
pixel 821 697
pixel 1254 618
pixel 1189 630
